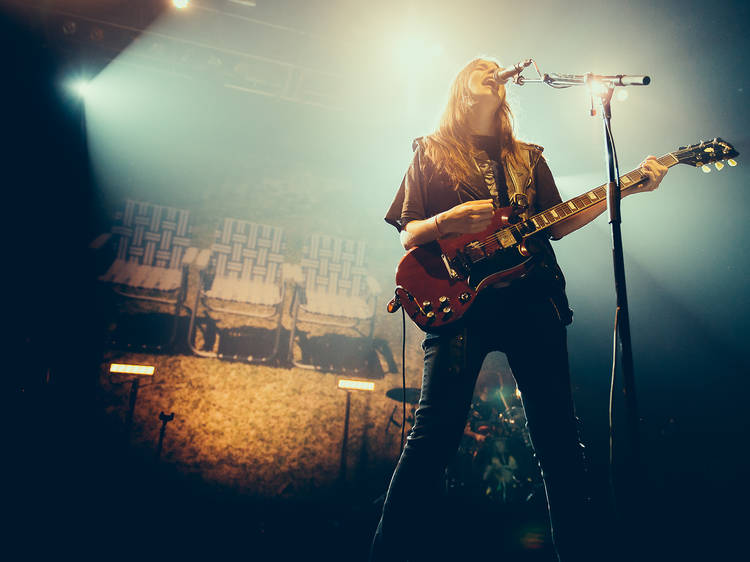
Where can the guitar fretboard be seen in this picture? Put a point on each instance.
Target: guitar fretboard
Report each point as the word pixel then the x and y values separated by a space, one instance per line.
pixel 514 234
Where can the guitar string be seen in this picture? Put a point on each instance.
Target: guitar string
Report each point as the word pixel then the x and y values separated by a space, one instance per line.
pixel 495 237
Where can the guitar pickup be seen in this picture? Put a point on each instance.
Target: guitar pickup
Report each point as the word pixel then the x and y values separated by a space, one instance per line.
pixel 506 238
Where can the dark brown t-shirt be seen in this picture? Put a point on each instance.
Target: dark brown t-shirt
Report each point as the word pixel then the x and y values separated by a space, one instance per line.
pixel 426 191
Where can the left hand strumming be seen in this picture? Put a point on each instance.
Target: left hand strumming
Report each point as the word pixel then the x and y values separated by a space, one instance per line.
pixel 654 171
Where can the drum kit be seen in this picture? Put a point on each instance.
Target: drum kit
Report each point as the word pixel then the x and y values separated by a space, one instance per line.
pixel 409 396
pixel 495 460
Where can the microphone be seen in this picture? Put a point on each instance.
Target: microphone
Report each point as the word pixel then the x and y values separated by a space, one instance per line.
pixel 502 76
pixel 625 80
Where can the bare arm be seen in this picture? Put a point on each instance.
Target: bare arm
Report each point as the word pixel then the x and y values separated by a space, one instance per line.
pixel 651 168
pixel 472 216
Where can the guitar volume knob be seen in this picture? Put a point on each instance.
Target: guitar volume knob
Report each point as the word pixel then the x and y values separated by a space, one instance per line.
pixel 464 297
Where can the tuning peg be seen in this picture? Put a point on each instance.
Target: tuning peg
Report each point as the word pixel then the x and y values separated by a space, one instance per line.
pixel 718 165
pixel 732 162
pixel 705 168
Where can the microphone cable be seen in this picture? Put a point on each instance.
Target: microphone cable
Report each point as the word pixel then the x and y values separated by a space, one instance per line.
pixel 613 378
pixel 403 376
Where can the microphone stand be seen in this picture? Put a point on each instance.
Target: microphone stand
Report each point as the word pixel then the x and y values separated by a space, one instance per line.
pixel 622 335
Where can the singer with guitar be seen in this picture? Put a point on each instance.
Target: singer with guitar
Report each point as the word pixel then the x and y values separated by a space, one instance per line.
pixel 460 175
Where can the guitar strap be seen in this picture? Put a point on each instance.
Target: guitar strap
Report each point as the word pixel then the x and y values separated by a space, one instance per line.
pixel 519 179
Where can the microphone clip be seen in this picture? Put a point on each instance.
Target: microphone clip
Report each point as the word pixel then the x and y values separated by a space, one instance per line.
pixel 513 73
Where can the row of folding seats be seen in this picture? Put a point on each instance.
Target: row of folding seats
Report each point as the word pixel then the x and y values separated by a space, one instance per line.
pixel 243 273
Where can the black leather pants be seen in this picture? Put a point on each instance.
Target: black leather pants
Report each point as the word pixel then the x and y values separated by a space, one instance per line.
pixel 526 327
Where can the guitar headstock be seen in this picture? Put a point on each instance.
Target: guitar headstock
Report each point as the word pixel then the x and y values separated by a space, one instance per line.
pixel 706 152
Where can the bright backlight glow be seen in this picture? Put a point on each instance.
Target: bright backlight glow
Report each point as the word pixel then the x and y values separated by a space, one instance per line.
pixel 180 4
pixel 596 87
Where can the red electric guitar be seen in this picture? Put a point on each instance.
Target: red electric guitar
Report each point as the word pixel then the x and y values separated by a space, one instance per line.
pixel 438 282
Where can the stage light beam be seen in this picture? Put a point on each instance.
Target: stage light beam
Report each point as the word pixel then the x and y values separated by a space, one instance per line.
pixel 80 87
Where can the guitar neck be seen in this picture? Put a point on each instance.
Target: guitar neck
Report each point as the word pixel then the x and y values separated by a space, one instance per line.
pixel 585 201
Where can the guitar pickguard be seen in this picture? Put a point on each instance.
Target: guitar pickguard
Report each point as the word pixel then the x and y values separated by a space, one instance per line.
pixel 496 268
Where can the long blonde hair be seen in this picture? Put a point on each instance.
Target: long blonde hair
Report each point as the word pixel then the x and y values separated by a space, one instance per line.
pixel 451 148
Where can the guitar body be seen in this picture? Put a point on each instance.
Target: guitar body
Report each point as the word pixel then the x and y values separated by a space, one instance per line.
pixel 438 282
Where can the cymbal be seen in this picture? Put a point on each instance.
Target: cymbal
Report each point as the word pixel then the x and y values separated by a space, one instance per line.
pixel 397 393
